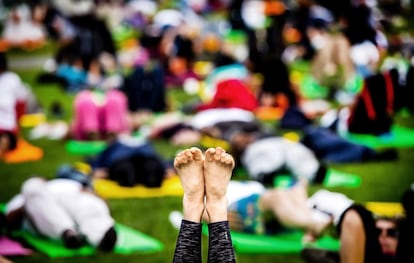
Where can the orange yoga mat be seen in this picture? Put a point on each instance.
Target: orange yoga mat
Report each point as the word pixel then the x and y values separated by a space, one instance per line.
pixel 24 152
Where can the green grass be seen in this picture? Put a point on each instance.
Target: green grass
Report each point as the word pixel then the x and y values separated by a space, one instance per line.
pixel 380 182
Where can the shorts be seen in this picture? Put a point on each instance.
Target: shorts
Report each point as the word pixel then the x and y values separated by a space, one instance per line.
pixel 250 214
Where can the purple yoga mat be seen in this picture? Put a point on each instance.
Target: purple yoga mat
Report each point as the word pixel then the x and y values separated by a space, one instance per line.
pixel 10 247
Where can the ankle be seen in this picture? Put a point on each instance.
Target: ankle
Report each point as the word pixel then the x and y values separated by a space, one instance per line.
pixel 193 209
pixel 216 209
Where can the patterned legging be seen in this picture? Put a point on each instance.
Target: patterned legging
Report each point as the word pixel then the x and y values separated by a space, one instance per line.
pixel 188 248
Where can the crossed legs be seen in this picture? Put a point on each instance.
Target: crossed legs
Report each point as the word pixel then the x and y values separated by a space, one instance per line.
pixel 204 179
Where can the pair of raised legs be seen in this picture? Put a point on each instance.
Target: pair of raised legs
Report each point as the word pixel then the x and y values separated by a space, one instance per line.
pixel 204 178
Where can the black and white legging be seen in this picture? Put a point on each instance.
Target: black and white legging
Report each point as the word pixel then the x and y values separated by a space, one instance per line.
pixel 188 248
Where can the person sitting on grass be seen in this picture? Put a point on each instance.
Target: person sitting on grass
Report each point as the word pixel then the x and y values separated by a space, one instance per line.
pixel 99 115
pixel 13 97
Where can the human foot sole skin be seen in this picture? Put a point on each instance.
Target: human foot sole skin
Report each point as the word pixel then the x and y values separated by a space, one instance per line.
pixel 218 167
pixel 189 167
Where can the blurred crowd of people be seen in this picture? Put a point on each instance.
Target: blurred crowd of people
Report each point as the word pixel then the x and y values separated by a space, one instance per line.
pixel 319 68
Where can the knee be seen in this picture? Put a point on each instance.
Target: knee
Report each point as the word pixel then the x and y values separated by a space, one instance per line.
pixel 116 101
pixel 83 99
pixel 272 196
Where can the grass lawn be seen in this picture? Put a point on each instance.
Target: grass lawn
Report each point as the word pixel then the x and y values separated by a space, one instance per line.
pixel 380 182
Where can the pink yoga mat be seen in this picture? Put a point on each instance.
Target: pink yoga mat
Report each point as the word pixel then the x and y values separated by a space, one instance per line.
pixel 10 247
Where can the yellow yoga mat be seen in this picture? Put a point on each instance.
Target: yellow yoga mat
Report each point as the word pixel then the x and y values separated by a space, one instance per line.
pixel 111 189
pixel 32 120
pixel 208 141
pixel 388 209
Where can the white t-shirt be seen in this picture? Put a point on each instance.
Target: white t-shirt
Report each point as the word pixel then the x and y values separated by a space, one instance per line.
pixel 365 54
pixel 237 190
pixel 12 90
pixel 331 203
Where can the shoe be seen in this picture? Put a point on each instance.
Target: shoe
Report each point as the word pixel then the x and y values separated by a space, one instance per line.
pixel 40 131
pixel 175 218
pixel 58 130
pixel 108 242
pixel 73 240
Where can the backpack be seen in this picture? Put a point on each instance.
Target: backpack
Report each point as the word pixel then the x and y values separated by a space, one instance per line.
pixel 375 105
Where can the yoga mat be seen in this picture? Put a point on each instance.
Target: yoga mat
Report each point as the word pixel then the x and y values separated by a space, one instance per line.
pixel 24 152
pixel 85 147
pixel 281 243
pixel 399 137
pixel 129 241
pixel 385 208
pixel 32 120
pixel 333 178
pixel 111 189
pixel 289 242
pixel 9 247
pixel 264 113
pixel 208 141
pixel 336 178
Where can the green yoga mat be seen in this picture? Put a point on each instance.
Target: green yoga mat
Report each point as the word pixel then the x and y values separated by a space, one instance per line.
pixel 289 242
pixel 85 147
pixel 129 241
pixel 336 178
pixel 333 178
pixel 282 243
pixel 399 137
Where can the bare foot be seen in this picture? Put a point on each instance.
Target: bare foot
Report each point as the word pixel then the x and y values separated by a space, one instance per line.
pixel 218 167
pixel 189 166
